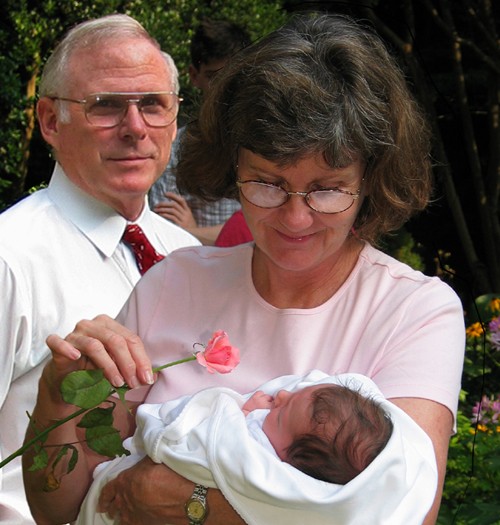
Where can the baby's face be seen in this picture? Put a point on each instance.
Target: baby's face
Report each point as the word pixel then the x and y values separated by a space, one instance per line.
pixel 290 416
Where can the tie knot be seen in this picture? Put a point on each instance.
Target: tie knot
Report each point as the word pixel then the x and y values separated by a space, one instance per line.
pixel 144 252
pixel 134 233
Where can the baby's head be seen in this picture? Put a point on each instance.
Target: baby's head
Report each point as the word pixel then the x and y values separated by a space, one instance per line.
pixel 329 432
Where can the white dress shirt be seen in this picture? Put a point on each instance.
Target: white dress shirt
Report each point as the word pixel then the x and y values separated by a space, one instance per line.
pixel 61 260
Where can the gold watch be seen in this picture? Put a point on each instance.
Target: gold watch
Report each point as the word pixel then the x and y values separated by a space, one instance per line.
pixel 196 506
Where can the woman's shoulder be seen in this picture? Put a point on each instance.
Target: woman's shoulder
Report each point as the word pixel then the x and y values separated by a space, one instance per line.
pixel 384 271
pixel 193 264
pixel 211 255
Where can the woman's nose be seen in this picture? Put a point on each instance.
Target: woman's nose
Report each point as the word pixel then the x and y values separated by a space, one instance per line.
pixel 296 215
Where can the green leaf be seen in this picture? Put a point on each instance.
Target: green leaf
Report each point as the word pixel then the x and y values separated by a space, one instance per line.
pixel 73 460
pixel 121 391
pixel 105 440
pixel 62 452
pixel 86 388
pixel 97 417
pixel 40 461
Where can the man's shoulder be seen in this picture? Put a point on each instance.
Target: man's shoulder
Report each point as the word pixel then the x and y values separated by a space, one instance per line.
pixel 25 215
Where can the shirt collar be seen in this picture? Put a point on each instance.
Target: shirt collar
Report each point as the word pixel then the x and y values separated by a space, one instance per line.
pixel 100 223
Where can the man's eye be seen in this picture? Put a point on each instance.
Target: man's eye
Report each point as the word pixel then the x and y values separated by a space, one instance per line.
pixel 150 102
pixel 106 104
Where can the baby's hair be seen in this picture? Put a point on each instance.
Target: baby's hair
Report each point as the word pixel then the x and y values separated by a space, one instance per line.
pixel 349 432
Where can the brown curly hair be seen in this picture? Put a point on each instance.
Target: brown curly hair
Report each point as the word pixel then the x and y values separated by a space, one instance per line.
pixel 350 431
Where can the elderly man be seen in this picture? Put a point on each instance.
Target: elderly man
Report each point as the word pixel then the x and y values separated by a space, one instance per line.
pixel 108 107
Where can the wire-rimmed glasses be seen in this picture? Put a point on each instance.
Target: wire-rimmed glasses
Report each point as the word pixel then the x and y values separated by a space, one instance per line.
pixel 107 110
pixel 327 200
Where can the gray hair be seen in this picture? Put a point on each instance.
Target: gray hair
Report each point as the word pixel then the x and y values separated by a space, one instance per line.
pixel 174 72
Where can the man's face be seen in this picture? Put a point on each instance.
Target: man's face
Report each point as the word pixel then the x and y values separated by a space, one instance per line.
pixel 202 76
pixel 115 165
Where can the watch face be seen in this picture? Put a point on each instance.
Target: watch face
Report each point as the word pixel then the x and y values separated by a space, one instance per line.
pixel 195 510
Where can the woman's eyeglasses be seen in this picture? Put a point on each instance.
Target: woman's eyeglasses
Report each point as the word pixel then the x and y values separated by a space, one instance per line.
pixel 107 110
pixel 327 200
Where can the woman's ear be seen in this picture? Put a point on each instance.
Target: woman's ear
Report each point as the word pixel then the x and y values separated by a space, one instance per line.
pixel 48 120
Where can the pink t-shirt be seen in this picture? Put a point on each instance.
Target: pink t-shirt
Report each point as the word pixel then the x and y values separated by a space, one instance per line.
pixel 399 327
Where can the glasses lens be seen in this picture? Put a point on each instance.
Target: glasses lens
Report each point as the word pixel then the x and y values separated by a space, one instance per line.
pixel 263 195
pixel 329 201
pixel 108 110
pixel 105 110
pixel 159 109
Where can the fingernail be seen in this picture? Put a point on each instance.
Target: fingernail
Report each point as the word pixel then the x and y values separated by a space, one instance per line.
pixel 118 381
pixel 134 382
pixel 149 377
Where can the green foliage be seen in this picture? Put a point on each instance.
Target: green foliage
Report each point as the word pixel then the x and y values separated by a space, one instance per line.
pixel 472 495
pixel 472 488
pixel 402 247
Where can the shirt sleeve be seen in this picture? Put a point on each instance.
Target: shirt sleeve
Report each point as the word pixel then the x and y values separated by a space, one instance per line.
pixel 14 332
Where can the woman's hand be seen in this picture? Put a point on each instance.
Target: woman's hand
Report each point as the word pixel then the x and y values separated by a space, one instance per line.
pixel 153 494
pixel 148 494
pixel 106 344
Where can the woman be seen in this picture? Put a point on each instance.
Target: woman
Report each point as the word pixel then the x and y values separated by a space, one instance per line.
pixel 314 128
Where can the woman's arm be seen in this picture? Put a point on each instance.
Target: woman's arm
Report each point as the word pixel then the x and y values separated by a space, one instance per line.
pixel 147 493
pixel 130 496
pixel 437 421
pixel 61 505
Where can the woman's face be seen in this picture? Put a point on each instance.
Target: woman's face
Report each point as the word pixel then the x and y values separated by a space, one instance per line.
pixel 293 237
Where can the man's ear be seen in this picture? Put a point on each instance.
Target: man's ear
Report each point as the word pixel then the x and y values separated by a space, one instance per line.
pixel 48 120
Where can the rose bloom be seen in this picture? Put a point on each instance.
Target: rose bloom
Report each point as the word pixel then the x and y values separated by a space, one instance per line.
pixel 219 355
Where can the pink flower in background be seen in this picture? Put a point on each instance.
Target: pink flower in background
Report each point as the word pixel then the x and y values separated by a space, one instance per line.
pixel 487 411
pixel 494 327
pixel 219 355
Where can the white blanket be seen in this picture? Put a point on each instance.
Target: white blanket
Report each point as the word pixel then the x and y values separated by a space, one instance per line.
pixel 205 438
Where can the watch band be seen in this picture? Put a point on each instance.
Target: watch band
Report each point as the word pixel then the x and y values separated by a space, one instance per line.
pixel 196 506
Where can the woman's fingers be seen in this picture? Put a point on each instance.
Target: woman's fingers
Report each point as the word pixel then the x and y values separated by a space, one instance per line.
pixel 107 345
pixel 62 349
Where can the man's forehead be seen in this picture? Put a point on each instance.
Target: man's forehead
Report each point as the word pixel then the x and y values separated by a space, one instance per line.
pixel 120 65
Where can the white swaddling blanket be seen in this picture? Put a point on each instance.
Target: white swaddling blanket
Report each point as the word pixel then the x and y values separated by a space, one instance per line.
pixel 205 438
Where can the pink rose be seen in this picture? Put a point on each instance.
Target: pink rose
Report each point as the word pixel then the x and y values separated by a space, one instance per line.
pixel 219 355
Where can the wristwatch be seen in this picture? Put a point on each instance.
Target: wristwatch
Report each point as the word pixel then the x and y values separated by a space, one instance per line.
pixel 196 506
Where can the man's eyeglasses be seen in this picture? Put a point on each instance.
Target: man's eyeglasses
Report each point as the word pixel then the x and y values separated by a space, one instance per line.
pixel 328 200
pixel 107 110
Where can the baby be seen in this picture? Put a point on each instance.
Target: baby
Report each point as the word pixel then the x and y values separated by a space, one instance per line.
pixel 264 450
pixel 330 432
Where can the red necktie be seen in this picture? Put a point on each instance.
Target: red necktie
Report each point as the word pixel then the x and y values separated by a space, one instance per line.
pixel 145 254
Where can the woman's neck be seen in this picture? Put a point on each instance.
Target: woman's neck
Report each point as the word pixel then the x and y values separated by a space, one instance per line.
pixel 292 289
